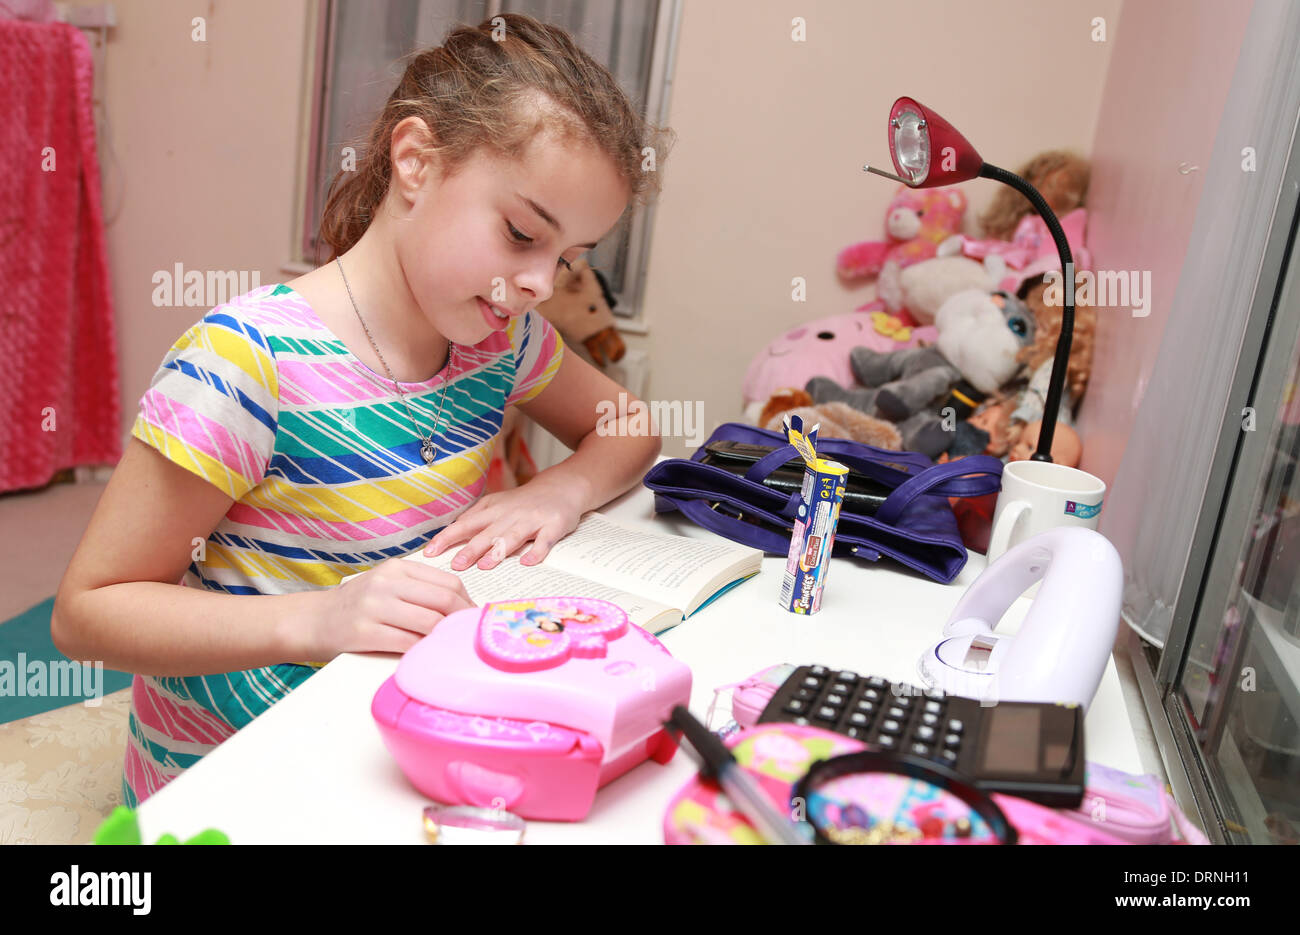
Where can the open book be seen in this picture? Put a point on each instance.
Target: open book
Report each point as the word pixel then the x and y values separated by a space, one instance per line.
pixel 657 579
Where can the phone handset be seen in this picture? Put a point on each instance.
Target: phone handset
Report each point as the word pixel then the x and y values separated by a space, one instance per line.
pixel 1059 653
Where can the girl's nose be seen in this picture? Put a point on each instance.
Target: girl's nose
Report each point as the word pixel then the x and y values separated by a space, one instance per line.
pixel 537 282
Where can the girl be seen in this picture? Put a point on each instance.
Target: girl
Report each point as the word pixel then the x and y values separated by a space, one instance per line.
pixel 334 423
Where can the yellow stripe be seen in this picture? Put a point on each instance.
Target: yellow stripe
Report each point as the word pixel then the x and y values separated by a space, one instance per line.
pixel 251 566
pixel 232 483
pixel 238 349
pixel 367 498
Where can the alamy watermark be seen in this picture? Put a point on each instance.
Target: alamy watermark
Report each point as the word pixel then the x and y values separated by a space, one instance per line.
pixel 201 288
pixel 40 678
pixel 1108 288
pixel 676 418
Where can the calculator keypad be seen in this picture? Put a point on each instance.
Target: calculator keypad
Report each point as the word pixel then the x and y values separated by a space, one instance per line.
pixel 895 717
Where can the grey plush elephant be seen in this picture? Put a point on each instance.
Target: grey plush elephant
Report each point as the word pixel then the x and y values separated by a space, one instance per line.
pixel 928 392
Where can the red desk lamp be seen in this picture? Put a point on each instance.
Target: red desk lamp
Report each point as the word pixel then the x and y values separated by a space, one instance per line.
pixel 917 133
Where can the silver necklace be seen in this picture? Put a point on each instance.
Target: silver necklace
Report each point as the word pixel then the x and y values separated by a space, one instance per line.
pixel 428 444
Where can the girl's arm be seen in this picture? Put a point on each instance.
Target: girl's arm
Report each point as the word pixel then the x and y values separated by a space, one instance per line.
pixel 119 602
pixel 580 407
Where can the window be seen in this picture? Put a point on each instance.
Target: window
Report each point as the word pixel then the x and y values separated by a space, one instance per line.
pixel 358 47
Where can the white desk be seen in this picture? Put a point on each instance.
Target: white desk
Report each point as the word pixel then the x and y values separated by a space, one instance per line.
pixel 314 770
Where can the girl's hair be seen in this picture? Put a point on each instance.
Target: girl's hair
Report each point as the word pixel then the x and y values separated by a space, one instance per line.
pixel 496 86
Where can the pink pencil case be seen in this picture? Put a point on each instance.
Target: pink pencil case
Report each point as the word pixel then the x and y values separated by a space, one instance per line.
pixel 1135 808
pixel 530 705
pixel 778 754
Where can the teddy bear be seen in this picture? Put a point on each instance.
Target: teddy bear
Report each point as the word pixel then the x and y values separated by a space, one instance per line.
pixel 837 420
pixel 980 337
pixel 916 223
pixel 924 286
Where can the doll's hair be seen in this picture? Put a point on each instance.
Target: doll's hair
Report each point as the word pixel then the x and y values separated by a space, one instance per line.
pixel 999 220
pixel 1048 329
pixel 496 86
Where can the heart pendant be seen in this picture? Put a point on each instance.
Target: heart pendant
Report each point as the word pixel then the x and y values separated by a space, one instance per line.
pixel 427 452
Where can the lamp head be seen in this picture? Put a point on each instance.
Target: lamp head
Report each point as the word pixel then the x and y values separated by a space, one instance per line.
pixel 926 150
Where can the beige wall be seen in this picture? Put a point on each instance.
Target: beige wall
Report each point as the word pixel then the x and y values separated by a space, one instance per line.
pixel 765 183
pixel 202 145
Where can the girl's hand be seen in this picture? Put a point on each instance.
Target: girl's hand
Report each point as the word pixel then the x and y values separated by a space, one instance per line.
pixel 542 511
pixel 389 609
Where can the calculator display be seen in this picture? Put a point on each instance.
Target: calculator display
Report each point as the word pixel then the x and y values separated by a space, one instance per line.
pixel 1011 744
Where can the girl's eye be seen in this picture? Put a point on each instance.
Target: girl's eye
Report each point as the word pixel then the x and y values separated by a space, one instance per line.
pixel 520 238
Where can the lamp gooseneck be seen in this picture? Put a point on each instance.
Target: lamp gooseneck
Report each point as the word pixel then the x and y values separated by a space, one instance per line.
pixel 1056 385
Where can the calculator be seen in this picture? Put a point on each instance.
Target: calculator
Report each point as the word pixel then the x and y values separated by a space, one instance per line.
pixel 1030 750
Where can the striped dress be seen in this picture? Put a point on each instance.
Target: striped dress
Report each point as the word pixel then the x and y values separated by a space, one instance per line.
pixel 262 400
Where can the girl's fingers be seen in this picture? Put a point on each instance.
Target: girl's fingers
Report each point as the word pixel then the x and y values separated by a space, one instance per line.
pixel 465 527
pixel 479 546
pixel 435 602
pixel 412 611
pixel 542 543
pixel 442 579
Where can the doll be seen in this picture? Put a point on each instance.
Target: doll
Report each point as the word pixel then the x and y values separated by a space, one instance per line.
pixel 1060 177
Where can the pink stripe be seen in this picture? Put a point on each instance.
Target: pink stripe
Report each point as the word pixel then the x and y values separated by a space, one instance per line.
pixel 195 430
pixel 325 382
pixel 541 364
pixel 184 723
pixel 340 530
pixel 142 776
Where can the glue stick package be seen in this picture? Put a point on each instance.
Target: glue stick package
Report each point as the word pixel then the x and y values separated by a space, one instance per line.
pixel 814 524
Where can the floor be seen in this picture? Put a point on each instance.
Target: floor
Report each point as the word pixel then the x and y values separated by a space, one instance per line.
pixel 61 771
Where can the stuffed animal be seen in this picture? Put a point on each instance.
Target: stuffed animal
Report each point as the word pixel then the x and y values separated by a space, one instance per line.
pixel 917 221
pixel 980 335
pixel 822 347
pixel 838 420
pixel 581 309
pixel 923 287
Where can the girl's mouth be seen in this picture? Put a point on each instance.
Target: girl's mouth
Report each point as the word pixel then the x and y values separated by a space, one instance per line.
pixel 496 320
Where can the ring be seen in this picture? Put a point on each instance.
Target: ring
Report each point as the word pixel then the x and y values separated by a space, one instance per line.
pixel 466 824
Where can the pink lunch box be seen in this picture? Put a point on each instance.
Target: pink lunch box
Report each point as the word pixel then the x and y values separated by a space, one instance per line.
pixel 530 705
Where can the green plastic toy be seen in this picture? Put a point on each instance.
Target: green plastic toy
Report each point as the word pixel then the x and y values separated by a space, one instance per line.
pixel 122 827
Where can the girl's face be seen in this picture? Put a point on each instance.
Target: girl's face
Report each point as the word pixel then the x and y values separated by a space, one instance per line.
pixel 494 233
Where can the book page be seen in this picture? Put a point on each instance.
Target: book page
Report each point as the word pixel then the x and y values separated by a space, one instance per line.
pixel 672 570
pixel 510 580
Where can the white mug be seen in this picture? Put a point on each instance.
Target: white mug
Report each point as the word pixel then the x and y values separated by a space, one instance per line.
pixel 1040 495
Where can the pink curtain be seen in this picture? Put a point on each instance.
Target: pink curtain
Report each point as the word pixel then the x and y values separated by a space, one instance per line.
pixel 58 353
